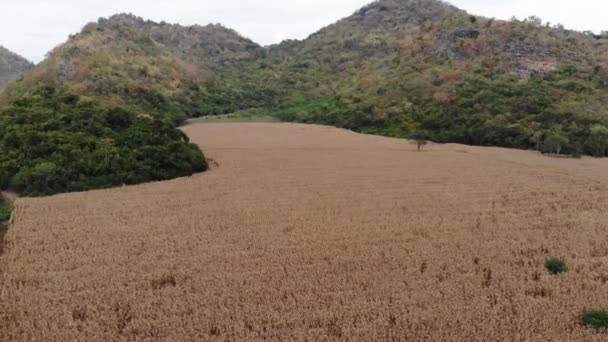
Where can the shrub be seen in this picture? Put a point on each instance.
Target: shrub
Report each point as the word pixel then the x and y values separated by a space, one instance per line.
pixel 5 211
pixel 597 319
pixel 556 265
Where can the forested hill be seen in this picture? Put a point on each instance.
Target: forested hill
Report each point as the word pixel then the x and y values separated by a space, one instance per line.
pixel 165 70
pixel 12 66
pixel 100 112
pixel 395 67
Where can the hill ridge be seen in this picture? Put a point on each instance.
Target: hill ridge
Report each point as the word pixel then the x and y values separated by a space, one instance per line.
pixel 12 66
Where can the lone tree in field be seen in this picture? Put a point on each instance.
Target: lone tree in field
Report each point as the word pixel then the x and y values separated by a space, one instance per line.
pixel 420 137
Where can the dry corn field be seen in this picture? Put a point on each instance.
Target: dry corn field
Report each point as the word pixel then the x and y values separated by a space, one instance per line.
pixel 311 233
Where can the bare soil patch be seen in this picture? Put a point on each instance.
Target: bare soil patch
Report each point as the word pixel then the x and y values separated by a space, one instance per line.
pixel 315 233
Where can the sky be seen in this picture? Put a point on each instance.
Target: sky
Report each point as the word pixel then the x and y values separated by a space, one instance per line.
pixel 33 27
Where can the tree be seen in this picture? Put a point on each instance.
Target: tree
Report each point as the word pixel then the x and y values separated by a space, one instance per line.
pixel 537 139
pixel 36 179
pixel 598 140
pixel 420 137
pixel 536 21
pixel 555 140
pixel 108 149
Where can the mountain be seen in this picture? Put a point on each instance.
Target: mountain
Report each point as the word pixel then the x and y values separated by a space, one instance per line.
pixel 97 113
pixel 12 66
pixel 155 68
pixel 395 67
pixel 401 67
pixel 212 46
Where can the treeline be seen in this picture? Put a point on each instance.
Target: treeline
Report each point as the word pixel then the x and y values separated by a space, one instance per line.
pixel 54 141
pixel 221 97
pixel 563 112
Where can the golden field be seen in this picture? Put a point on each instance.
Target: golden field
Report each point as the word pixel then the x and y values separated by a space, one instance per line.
pixel 312 233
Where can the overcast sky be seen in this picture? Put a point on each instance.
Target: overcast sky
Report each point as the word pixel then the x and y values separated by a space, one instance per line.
pixel 33 27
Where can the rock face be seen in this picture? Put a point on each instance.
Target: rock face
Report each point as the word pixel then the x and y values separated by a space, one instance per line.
pixel 12 66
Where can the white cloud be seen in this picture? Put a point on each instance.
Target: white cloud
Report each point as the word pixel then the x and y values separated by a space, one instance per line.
pixel 34 27
pixel 581 15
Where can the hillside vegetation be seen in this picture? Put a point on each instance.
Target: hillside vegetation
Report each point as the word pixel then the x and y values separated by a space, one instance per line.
pixel 55 142
pixel 398 67
pixel 12 66
pixel 395 67
pixel 168 71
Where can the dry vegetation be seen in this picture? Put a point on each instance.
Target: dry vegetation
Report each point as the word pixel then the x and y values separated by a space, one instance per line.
pixel 315 233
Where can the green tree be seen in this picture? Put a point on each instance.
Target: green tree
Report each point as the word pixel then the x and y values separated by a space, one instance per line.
pixel 107 147
pixel 420 137
pixel 36 179
pixel 598 140
pixel 537 139
pixel 555 140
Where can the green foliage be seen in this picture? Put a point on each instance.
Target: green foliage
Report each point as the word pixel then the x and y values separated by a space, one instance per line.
pixel 555 140
pixel 597 319
pixel 248 115
pixel 38 178
pixel 393 68
pixel 440 79
pixel 568 70
pixel 5 211
pixel 556 265
pixel 223 97
pixel 420 135
pixel 597 142
pixel 55 141
pixel 537 114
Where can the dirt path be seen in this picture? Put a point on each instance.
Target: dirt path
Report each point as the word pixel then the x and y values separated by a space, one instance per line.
pixel 313 233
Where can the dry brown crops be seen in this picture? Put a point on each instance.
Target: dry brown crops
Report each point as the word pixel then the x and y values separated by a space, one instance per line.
pixel 314 233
